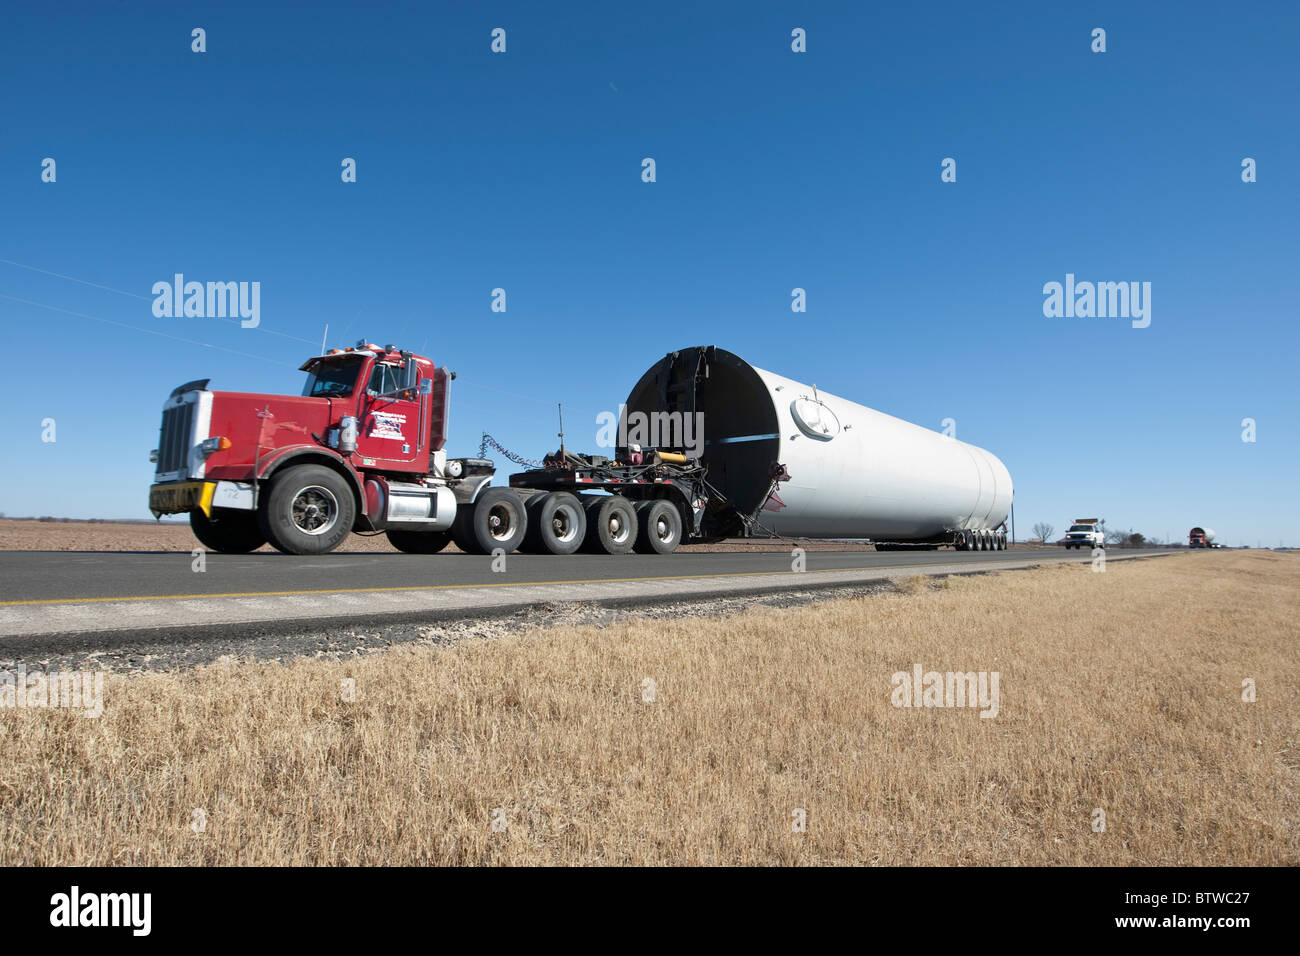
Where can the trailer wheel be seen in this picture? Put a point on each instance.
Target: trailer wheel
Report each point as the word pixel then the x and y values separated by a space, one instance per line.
pixel 227 531
pixel 557 524
pixel 309 510
pixel 419 542
pixel 659 527
pixel 497 520
pixel 611 525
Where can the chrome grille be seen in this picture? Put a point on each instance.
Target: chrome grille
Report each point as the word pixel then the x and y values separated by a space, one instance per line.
pixel 174 439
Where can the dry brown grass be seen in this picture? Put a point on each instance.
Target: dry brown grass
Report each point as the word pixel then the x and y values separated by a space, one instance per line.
pixel 1118 690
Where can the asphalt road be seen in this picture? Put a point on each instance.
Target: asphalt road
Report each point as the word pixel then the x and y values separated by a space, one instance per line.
pixel 32 577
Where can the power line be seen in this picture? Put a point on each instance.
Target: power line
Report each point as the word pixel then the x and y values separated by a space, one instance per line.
pixel 136 295
pixel 136 328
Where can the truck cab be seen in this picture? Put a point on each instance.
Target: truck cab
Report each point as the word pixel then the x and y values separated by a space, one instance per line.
pixel 362 448
pixel 1085 533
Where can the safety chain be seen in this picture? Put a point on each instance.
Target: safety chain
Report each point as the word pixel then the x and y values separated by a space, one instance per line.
pixel 489 441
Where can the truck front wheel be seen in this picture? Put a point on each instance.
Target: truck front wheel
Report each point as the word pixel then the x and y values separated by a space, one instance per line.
pixel 308 510
pixel 227 532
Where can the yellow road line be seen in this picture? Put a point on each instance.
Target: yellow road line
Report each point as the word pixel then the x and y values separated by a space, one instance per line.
pixel 447 587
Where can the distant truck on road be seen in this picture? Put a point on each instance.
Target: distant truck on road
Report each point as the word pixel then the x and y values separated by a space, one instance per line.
pixel 1085 533
pixel 1200 538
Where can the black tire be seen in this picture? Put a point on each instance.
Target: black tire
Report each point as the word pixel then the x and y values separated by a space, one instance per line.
pixel 309 509
pixel 419 542
pixel 557 524
pixel 227 531
pixel 497 520
pixel 659 527
pixel 611 525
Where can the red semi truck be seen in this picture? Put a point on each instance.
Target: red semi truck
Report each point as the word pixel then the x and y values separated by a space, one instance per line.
pixel 363 449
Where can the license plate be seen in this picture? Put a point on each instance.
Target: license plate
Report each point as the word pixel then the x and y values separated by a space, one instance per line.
pixel 182 496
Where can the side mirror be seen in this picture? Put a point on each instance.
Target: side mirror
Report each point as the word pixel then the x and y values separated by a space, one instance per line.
pixel 426 386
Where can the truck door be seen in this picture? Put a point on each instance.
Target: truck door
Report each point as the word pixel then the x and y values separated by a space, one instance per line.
pixel 389 416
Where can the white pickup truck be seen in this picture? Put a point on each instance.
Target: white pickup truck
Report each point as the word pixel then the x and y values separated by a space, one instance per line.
pixel 1085 533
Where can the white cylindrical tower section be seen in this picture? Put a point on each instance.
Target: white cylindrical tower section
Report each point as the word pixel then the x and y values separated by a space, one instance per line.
pixel 854 472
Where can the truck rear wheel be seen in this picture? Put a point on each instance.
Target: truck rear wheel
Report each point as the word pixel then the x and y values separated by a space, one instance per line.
pixel 419 542
pixel 227 531
pixel 611 525
pixel 308 510
pixel 557 524
pixel 659 527
pixel 497 520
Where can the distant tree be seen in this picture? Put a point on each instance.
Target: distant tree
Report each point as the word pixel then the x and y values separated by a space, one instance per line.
pixel 1115 536
pixel 1136 539
pixel 1044 530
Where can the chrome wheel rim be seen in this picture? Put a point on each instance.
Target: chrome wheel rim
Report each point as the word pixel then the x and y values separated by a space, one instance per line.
pixel 314 510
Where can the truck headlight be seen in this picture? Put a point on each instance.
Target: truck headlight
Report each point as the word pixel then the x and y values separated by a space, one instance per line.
pixel 153 456
pixel 215 443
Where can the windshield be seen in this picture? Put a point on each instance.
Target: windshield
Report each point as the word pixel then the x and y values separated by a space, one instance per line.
pixel 333 377
pixel 1080 527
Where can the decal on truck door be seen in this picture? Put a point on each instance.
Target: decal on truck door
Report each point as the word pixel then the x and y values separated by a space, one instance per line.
pixel 387 425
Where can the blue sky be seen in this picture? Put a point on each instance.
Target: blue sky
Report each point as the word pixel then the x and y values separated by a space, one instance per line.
pixel 775 170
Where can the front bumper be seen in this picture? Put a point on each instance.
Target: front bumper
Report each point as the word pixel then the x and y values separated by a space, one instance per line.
pixel 174 497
